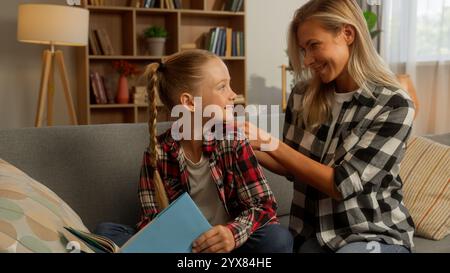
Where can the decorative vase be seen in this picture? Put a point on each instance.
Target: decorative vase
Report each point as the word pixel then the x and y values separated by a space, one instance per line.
pixel 156 46
pixel 123 96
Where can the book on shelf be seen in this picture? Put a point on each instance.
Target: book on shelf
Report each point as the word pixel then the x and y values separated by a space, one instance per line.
pixel 149 4
pixel 98 88
pixel 178 4
pixel 233 5
pixel 173 230
pixel 104 41
pixel 225 42
pixel 93 44
pixel 240 99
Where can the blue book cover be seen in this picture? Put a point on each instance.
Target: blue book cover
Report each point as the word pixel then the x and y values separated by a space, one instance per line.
pixel 172 231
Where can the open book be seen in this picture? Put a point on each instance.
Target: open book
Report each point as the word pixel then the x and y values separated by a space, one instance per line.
pixel 173 230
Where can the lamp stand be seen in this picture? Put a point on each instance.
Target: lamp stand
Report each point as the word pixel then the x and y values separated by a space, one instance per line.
pixel 47 87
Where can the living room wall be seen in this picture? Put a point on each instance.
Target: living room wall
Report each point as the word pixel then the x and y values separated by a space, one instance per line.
pixel 20 67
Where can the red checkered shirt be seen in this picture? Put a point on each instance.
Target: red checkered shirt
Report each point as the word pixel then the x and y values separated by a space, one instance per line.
pixel 242 186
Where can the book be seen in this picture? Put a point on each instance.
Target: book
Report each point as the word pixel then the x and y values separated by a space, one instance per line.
pixel 101 88
pixel 95 89
pixel 93 44
pixel 229 42
pixel 173 230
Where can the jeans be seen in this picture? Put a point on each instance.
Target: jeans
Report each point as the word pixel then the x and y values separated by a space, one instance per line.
pixel 312 246
pixel 272 238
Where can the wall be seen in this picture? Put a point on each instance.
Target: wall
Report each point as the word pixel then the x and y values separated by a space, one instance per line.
pixel 267 25
pixel 20 73
pixel 20 66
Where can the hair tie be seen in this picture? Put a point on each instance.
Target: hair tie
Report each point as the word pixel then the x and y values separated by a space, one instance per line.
pixel 161 67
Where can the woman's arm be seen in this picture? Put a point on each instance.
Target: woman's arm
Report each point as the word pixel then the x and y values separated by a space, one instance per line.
pixel 284 158
pixel 268 162
pixel 305 169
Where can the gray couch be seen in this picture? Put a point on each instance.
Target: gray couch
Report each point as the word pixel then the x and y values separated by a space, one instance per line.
pixel 95 169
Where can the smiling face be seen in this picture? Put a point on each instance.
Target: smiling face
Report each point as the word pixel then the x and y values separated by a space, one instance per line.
pixel 325 53
pixel 216 89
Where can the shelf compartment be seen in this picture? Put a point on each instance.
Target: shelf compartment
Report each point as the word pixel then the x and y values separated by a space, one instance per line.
pixel 193 28
pixel 168 20
pixel 118 26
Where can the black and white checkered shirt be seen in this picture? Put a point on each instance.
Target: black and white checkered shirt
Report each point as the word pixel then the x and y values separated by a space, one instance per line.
pixel 366 148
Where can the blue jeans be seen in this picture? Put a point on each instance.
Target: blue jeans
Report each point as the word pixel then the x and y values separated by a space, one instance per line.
pixel 312 246
pixel 272 238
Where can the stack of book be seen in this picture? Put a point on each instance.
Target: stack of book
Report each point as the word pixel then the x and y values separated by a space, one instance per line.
pixel 140 95
pixel 100 43
pixel 100 93
pixel 240 99
pixel 225 42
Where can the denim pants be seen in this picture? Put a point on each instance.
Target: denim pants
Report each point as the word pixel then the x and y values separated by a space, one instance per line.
pixel 272 238
pixel 312 246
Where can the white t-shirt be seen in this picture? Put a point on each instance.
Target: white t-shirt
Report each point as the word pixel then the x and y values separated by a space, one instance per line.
pixel 338 101
pixel 203 191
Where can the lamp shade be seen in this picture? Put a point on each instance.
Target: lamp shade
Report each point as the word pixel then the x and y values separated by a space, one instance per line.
pixel 53 24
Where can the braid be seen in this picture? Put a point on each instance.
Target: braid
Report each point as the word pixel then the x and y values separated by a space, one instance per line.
pixel 152 89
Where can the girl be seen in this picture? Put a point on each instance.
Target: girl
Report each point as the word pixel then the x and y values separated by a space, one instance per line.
pixel 222 176
pixel 345 131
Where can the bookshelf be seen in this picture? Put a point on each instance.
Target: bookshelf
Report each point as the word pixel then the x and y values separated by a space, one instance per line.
pixel 124 25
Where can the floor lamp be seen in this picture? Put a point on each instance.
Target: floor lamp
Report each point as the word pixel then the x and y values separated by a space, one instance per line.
pixel 53 25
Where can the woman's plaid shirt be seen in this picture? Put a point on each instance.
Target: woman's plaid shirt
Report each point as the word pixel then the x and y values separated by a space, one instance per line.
pixel 367 146
pixel 241 184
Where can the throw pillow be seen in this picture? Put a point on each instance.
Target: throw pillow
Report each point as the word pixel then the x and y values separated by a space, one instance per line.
pixel 32 217
pixel 425 171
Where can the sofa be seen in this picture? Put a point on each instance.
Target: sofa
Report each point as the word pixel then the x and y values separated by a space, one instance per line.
pixel 95 170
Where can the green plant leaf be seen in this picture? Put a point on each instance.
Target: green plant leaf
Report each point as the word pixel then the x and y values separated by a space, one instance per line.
pixel 155 32
pixel 371 19
pixel 375 33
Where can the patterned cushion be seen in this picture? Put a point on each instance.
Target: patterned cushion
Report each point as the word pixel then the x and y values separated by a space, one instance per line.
pixel 426 173
pixel 32 217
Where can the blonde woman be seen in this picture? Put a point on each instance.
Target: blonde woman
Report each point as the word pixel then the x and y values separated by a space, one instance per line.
pixel 345 131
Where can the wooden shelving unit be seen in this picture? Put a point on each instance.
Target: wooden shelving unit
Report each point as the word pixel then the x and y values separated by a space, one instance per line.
pixel 124 25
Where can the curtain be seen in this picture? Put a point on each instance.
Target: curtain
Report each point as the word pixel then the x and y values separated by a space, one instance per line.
pixel 415 40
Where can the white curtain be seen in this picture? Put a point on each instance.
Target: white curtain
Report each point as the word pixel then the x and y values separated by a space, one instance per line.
pixel 415 40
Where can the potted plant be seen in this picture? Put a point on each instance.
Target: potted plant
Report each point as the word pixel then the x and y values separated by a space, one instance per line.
pixel 372 21
pixel 125 70
pixel 156 40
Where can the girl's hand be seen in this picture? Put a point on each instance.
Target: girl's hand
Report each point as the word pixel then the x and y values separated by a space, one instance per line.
pixel 218 239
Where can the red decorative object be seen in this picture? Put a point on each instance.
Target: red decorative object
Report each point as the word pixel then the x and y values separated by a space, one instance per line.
pixel 123 95
pixel 125 70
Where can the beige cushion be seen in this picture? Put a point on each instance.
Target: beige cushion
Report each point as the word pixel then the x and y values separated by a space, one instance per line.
pixel 32 217
pixel 425 171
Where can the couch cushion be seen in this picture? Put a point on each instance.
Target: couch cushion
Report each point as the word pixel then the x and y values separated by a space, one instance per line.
pixel 426 175
pixel 32 217
pixel 422 245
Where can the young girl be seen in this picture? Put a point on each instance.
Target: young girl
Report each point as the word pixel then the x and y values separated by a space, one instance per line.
pixel 346 127
pixel 222 176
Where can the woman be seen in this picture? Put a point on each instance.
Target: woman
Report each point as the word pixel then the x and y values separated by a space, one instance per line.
pixel 345 131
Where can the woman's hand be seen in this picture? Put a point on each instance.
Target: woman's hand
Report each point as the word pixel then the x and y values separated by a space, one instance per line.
pixel 218 239
pixel 257 137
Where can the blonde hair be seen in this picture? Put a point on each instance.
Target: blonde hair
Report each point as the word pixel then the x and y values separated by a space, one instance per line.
pixel 365 65
pixel 178 73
